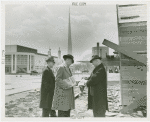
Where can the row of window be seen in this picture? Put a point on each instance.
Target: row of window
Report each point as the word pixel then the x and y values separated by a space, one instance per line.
pixel 8 59
pixel 39 67
pixel 21 59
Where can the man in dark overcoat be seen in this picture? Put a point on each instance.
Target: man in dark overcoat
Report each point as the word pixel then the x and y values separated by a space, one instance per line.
pixel 47 89
pixel 97 88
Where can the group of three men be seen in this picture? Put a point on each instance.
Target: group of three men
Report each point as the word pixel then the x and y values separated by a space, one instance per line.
pixel 56 94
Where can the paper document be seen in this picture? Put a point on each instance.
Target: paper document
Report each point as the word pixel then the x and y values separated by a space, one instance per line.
pixel 72 81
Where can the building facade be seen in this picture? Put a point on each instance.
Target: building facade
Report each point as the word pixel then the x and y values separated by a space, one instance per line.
pixel 102 51
pixel 20 59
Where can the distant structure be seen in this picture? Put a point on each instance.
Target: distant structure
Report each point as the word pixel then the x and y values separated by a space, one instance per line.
pixel 69 36
pixel 49 53
pixel 98 49
pixel 116 54
pixel 59 54
pixel 21 59
pixel 101 51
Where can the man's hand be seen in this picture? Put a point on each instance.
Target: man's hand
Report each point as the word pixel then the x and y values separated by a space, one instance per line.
pixel 77 82
pixel 86 78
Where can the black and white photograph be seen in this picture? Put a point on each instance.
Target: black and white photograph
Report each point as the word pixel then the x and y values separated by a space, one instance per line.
pixel 74 60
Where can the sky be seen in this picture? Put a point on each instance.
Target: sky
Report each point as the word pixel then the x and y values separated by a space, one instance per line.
pixel 46 26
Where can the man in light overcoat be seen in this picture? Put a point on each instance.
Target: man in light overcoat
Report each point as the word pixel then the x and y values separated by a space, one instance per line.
pixel 63 99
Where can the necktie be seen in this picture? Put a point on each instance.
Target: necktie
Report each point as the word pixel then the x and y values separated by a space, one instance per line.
pixel 70 71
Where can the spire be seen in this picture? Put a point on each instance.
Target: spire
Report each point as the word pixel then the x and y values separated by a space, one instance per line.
pixel 69 36
pixel 49 52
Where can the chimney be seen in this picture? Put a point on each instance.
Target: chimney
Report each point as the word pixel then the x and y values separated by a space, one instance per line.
pixel 59 53
pixel 98 48
pixel 49 53
pixel 101 52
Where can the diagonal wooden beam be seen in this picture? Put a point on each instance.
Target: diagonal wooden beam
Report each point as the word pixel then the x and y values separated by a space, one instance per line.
pixel 126 52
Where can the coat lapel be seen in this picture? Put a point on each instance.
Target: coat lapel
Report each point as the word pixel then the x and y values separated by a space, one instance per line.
pixel 97 68
pixel 70 71
pixel 67 70
pixel 50 71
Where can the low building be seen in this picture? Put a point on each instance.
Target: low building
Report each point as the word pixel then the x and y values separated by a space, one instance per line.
pixel 21 59
pixel 102 51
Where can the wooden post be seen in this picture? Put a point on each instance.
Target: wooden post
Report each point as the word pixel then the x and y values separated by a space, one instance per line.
pixel 121 92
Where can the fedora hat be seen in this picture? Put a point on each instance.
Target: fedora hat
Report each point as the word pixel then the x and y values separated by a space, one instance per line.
pixel 95 57
pixel 68 56
pixel 50 59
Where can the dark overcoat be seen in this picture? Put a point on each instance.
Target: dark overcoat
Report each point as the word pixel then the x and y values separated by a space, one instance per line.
pixel 47 88
pixel 97 88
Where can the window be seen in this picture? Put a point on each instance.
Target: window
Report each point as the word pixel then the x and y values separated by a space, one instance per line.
pixel 7 59
pixel 29 62
pixel 13 62
pixel 21 59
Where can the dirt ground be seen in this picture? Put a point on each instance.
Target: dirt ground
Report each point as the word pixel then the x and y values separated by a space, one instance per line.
pixel 26 104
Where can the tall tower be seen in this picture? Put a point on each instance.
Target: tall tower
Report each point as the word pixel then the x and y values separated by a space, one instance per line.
pixel 59 53
pixel 69 36
pixel 49 53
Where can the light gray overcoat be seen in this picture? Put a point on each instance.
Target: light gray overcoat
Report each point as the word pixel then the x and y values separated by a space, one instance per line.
pixel 63 98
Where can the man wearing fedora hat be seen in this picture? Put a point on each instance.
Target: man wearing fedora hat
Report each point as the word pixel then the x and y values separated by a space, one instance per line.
pixel 47 89
pixel 63 100
pixel 97 88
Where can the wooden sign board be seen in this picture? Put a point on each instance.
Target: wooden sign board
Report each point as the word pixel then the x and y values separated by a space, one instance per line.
pixel 132 32
pixel 134 73
pixel 129 52
pixel 132 13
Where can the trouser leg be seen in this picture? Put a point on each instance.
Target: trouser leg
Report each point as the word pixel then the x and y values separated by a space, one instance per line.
pixel 99 111
pixel 52 113
pixel 63 113
pixel 68 113
pixel 45 112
